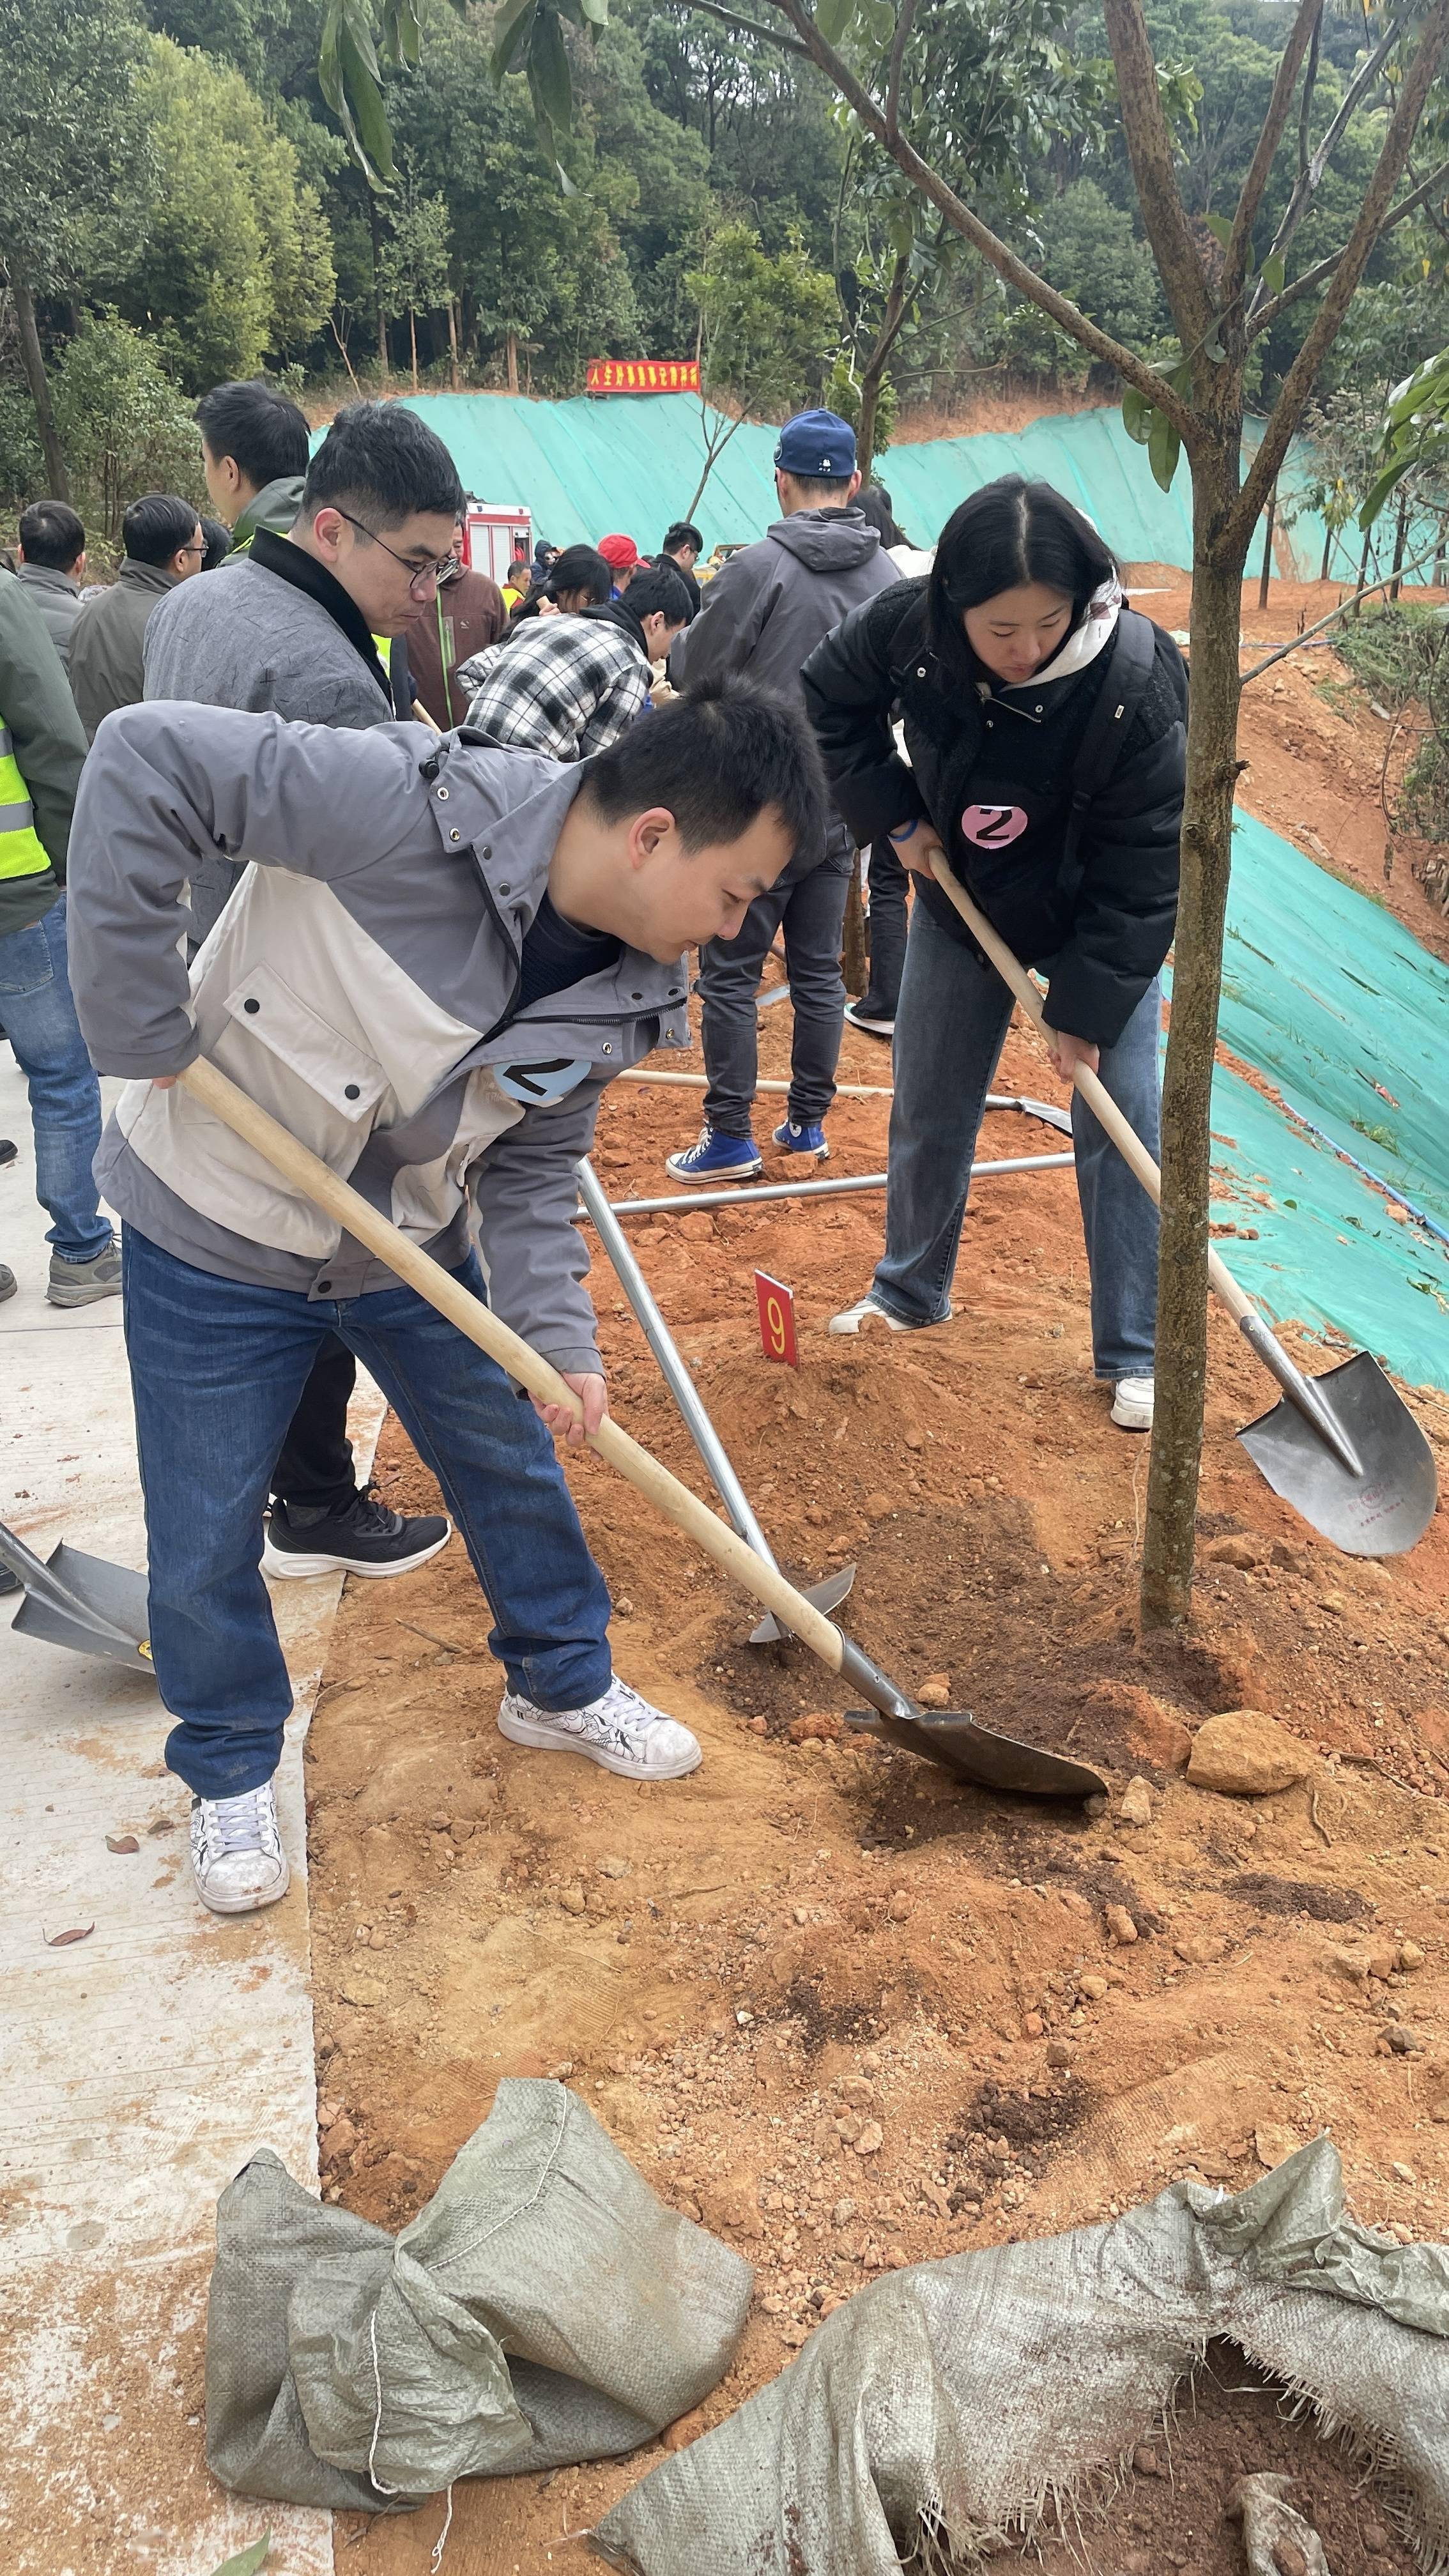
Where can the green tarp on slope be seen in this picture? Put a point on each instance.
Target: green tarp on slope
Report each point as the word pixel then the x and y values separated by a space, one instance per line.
pixel 632 462
pixel 1344 1014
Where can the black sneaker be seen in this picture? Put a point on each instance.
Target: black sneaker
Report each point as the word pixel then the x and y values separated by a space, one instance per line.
pixel 7 1150
pixel 364 1537
pixel 875 1019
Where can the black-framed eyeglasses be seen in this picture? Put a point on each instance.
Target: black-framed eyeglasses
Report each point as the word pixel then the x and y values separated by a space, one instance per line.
pixel 437 571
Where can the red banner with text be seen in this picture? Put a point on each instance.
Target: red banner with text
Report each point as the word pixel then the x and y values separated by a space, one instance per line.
pixel 643 376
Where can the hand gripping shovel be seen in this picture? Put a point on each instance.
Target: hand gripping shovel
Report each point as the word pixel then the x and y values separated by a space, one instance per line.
pixel 825 1596
pixel 1344 1448
pixel 80 1601
pixel 995 1761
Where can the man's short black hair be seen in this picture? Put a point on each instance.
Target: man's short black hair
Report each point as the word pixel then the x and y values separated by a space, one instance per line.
pixel 258 428
pixel 216 537
pixel 716 759
pixel 660 586
pixel 381 462
pixel 820 488
pixel 51 534
pixel 157 526
pixel 682 534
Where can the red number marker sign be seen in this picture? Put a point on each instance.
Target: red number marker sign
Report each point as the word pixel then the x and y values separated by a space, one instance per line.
pixel 777 1319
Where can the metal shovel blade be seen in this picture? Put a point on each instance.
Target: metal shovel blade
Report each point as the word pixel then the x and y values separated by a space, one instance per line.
pixel 979 1754
pixel 1384 1510
pixel 80 1601
pixel 825 1597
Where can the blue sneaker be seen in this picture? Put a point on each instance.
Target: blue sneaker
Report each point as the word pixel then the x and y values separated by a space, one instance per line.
pixel 803 1140
pixel 716 1158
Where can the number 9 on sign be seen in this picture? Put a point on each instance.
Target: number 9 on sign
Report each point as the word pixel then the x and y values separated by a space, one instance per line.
pixel 776 1303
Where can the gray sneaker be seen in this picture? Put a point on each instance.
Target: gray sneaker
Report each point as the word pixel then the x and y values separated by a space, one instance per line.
pixel 80 1283
pixel 8 1283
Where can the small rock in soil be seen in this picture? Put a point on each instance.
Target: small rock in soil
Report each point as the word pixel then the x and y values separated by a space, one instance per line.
pixel 1136 1806
pixel 1244 1753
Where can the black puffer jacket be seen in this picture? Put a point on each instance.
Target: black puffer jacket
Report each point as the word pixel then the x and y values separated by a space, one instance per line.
pixel 1003 758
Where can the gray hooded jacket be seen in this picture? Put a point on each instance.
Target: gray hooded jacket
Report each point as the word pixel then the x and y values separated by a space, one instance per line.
pixel 773 603
pixel 359 986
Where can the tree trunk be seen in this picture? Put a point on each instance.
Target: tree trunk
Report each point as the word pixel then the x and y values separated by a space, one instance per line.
pixel 852 945
pixel 454 374
pixel 413 343
pixel 1401 530
pixel 1266 575
pixel 1182 1292
pixel 513 362
pixel 35 376
pixel 375 221
pixel 873 372
pixel 1357 610
pixel 1327 551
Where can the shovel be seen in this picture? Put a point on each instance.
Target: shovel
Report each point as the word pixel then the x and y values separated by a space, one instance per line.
pixel 957 1742
pixel 80 1601
pixel 827 1595
pixel 1343 1449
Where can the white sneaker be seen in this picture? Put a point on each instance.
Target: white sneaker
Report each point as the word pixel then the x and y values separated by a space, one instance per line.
pixel 620 1731
pixel 869 1310
pixel 1132 1404
pixel 237 1858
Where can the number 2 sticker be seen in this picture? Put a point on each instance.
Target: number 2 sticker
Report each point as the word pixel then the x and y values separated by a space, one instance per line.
pixel 991 827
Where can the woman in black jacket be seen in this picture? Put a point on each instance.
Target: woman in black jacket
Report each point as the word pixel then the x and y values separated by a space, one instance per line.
pixel 994 665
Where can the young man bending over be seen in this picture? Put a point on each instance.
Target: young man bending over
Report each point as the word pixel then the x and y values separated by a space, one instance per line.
pixel 440 958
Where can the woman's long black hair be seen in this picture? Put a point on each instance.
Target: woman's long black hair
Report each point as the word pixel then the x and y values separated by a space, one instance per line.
pixel 1011 532
pixel 577 568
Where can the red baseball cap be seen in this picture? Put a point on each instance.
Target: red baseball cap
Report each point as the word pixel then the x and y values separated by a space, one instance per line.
pixel 620 553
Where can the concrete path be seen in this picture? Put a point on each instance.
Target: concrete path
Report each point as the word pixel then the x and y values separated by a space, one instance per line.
pixel 141 2066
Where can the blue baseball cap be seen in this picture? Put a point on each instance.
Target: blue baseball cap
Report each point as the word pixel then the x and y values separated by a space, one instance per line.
pixel 817 445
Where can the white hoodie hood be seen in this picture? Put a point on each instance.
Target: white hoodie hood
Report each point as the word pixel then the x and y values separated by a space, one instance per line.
pixel 1085 641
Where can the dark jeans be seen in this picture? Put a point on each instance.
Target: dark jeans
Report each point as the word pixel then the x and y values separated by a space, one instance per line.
pixel 950 1029
pixel 37 1014
pixel 216 1371
pixel 314 1466
pixel 809 900
pixel 888 883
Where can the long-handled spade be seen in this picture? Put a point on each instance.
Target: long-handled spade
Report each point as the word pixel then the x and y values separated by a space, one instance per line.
pixel 81 1601
pixel 1343 1449
pixel 957 1742
pixel 826 1596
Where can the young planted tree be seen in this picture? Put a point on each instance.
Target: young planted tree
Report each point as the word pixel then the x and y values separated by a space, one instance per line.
pixel 412 270
pixel 1222 296
pixel 764 325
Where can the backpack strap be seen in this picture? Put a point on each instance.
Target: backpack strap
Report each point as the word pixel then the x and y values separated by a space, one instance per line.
pixel 1134 652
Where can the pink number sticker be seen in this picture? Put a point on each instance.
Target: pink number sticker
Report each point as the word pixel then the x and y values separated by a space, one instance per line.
pixel 991 827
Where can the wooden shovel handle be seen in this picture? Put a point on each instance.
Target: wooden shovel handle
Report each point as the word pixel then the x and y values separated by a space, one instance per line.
pixel 214 1091
pixel 1093 1090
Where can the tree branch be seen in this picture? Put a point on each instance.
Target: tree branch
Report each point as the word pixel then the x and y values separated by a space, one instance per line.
pixel 1267 314
pixel 1057 308
pixel 1327 322
pixel 1306 185
pixel 1303 32
pixel 1342 610
pixel 1150 145
pixel 749 27
pixel 904 24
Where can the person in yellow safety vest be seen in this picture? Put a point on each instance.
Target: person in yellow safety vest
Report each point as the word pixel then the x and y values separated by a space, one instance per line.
pixel 42 747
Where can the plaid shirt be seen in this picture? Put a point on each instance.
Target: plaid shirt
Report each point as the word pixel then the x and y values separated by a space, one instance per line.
pixel 566 686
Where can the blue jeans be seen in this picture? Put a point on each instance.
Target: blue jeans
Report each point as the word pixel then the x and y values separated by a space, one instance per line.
pixel 38 1017
pixel 809 898
pixel 950 1028
pixel 216 1369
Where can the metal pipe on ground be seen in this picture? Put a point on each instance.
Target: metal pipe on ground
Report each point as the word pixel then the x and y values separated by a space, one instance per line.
pixel 1044 1109
pixel 748 1194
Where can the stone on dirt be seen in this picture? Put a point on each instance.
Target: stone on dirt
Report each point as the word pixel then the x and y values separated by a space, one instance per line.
pixel 1240 1550
pixel 1120 1924
pixel 1136 1806
pixel 1246 1754
pixel 935 1692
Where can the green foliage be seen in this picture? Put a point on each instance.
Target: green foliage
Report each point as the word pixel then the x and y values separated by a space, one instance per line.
pixel 123 425
pixel 1392 651
pixel 248 2562
pixel 1415 433
pixel 842 396
pixel 1090 252
pixel 22 467
pixel 412 274
pixel 236 263
pixel 75 166
pixel 765 322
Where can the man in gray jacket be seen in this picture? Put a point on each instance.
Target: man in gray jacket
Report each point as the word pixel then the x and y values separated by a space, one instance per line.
pixel 440 959
pixel 164 546
pixel 52 568
pixel 294 629
pixel 254 450
pixel 769 607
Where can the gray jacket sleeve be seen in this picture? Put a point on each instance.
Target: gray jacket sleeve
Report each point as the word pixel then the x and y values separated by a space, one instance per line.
pixel 527 1191
pixel 737 605
pixel 165 785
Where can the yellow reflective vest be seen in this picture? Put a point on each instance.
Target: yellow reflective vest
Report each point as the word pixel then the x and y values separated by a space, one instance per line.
pixel 22 853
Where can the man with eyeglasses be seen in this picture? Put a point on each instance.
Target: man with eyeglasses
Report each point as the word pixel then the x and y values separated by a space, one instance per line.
pixel 301 628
